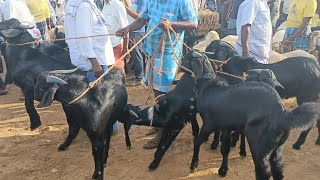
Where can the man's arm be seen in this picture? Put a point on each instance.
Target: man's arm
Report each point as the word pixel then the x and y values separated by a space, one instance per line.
pixel 245 32
pixel 47 15
pixel 301 29
pixel 180 25
pixel 136 25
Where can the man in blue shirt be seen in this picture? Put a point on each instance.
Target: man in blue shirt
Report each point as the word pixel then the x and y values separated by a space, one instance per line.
pixel 181 16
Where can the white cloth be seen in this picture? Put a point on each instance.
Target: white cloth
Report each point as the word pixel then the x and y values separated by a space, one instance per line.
pixel 60 9
pixel 116 18
pixel 83 18
pixel 18 9
pixel 257 14
pixel 286 6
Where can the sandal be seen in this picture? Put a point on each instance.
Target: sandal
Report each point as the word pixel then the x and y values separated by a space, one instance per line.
pixel 151 145
pixel 152 131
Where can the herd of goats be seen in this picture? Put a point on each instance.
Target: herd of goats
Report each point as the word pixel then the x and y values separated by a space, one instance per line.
pixel 230 107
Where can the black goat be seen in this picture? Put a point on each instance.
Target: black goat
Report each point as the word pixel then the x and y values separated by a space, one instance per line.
pixel 25 63
pixel 177 108
pixel 191 39
pixel 300 77
pixel 220 50
pixel 172 112
pixel 95 112
pixel 239 107
pixel 260 75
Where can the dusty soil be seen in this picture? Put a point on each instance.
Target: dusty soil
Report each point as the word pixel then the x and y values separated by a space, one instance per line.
pixel 26 154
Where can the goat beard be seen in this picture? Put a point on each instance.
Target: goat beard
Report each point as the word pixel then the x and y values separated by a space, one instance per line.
pixel 48 97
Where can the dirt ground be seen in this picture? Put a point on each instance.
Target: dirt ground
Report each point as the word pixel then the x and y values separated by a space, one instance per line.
pixel 26 154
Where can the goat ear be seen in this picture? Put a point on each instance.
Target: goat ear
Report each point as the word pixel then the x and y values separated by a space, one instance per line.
pixel 48 96
pixel 197 68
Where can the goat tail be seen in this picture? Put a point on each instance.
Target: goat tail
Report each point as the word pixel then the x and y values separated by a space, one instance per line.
pixel 304 116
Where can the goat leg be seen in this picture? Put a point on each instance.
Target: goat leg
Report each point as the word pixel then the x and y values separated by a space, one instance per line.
pixel 234 138
pixel 203 137
pixel 107 145
pixel 195 127
pixel 318 139
pixel 98 147
pixel 31 110
pixel 127 126
pixel 74 129
pixel 301 140
pixel 169 135
pixel 225 150
pixel 243 152
pixel 215 141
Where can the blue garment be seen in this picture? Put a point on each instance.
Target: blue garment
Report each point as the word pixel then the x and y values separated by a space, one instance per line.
pixel 91 78
pixel 173 10
pixel 137 56
pixel 300 42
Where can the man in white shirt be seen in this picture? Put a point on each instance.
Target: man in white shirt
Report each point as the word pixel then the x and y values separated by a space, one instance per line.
pixel 254 30
pixel 92 54
pixel 116 16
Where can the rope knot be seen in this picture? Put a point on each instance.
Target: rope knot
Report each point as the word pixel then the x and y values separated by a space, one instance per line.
pixel 244 76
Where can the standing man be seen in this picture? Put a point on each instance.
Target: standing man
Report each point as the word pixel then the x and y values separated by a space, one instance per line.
pixel 181 16
pixel 137 56
pixel 233 11
pixel 298 24
pixel 254 30
pixel 92 54
pixel 284 10
pixel 116 18
pixel 41 13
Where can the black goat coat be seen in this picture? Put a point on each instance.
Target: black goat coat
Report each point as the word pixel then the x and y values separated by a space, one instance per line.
pixel 300 76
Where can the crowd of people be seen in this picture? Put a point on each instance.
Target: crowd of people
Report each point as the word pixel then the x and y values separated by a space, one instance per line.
pixel 254 20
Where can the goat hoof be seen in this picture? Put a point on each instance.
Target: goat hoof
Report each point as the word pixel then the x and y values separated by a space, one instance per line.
pixel 296 147
pixel 223 171
pixel 193 167
pixel 243 154
pixel 129 147
pixel 35 125
pixel 153 166
pixel 97 176
pixel 214 145
pixel 318 141
pixel 62 147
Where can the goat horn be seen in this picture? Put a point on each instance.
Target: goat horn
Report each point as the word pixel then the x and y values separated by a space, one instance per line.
pixel 54 79
pixel 132 113
pixel 64 71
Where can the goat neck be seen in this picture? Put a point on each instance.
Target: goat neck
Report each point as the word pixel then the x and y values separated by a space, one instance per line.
pixel 208 71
